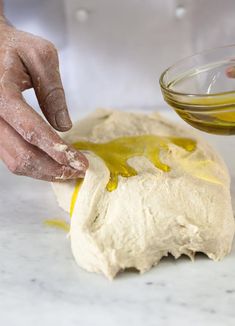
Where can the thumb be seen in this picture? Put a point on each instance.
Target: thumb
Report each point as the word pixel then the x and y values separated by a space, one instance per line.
pixel 41 60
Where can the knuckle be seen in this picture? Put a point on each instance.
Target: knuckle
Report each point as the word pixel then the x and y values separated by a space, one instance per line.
pixel 30 136
pixel 43 49
pixel 47 49
pixel 31 133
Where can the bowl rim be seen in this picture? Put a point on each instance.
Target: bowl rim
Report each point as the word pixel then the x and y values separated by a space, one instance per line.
pixel 169 91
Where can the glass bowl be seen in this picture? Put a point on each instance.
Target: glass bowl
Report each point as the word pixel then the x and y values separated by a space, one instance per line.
pixel 201 89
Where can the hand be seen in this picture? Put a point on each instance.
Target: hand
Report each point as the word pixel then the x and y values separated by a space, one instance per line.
pixel 28 145
pixel 230 72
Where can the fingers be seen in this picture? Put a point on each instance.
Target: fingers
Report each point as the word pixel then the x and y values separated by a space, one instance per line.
pixel 230 72
pixel 24 159
pixel 41 59
pixel 31 126
pixel 13 74
pixel 37 66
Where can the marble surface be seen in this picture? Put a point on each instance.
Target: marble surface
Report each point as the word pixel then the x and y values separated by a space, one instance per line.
pixel 40 283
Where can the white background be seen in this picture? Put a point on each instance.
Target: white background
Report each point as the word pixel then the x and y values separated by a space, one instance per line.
pixel 113 52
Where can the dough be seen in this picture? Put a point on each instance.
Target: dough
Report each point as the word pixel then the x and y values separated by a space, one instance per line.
pixel 154 213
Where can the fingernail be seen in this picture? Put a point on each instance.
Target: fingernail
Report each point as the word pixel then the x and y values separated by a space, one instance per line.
pixel 56 111
pixel 63 120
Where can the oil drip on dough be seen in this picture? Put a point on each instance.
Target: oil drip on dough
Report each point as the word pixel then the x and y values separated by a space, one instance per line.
pixel 152 188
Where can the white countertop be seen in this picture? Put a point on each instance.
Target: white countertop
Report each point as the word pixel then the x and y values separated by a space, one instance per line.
pixel 40 284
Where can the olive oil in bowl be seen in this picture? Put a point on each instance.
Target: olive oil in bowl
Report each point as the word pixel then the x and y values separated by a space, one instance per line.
pixel 209 114
pixel 202 92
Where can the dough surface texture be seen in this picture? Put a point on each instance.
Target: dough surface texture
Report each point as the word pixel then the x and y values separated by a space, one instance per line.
pixel 154 213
